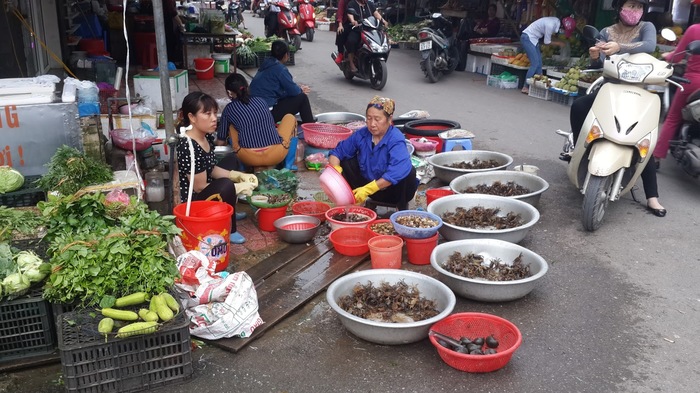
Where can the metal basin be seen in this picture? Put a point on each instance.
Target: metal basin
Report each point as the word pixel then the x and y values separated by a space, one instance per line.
pixel 446 174
pixel 384 332
pixel 450 203
pixel 484 290
pixel 297 229
pixel 338 117
pixel 534 183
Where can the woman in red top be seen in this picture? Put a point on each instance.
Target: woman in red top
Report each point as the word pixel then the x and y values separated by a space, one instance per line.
pixel 674 119
pixel 489 26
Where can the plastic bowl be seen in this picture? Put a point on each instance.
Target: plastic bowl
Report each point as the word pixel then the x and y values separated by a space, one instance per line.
pixel 446 174
pixel 311 208
pixel 422 144
pixel 351 241
pixel 534 183
pixel 297 229
pixel 335 224
pixel 335 186
pixel 411 232
pixel 450 203
pixel 484 290
pixel 472 325
pixel 386 333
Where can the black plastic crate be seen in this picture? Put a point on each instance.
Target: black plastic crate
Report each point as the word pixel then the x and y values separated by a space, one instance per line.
pixel 28 195
pixel 26 327
pixel 91 364
pixel 243 63
pixel 264 55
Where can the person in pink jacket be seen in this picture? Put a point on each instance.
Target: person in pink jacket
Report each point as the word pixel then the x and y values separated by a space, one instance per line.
pixel 674 119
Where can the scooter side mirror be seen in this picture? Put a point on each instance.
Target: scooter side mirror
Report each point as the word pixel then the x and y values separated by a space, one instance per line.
pixel 590 33
pixel 668 35
pixel 436 15
pixel 694 47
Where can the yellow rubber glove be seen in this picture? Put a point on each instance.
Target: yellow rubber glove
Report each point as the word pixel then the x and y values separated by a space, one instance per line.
pixel 338 168
pixel 361 193
pixel 238 177
pixel 245 188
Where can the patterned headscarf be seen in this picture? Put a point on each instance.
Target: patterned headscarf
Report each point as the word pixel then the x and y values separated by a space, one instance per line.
pixel 385 104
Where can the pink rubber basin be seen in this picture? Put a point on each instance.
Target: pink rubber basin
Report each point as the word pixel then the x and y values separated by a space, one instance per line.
pixel 335 186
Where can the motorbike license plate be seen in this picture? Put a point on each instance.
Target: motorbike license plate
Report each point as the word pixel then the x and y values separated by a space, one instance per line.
pixel 425 45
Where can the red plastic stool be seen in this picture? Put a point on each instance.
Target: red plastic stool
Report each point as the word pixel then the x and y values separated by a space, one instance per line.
pixel 149 56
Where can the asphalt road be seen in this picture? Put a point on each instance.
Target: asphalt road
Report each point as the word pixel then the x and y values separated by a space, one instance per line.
pixel 617 312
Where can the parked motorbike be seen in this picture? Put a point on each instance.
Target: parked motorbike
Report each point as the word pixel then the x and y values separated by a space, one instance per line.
pixel 685 146
pixel 306 21
pixel 620 131
pixel 233 13
pixel 371 57
pixel 438 48
pixel 287 24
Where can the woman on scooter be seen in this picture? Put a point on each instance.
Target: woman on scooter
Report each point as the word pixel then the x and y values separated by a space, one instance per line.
pixel 374 159
pixel 247 120
pixel 212 181
pixel 674 118
pixel 356 12
pixel 629 35
pixel 274 83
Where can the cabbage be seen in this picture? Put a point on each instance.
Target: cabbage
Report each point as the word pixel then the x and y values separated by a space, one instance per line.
pixel 10 179
pixel 39 273
pixel 15 283
pixel 27 260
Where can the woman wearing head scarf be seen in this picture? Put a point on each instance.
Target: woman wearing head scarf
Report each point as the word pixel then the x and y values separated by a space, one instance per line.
pixel 374 160
pixel 629 35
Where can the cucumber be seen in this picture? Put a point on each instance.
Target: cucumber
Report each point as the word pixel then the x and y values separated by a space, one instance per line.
pixel 120 314
pixel 148 315
pixel 132 300
pixel 137 328
pixel 171 302
pixel 105 326
pixel 164 312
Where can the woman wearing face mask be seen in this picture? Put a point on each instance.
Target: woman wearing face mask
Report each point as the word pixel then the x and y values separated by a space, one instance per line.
pixel 629 35
pixel 374 159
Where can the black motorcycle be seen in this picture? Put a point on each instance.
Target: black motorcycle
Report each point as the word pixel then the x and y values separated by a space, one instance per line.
pixel 438 48
pixel 371 57
pixel 685 147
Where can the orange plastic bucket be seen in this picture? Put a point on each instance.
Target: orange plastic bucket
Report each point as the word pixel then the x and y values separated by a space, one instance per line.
pixel 435 193
pixel 385 252
pixel 204 67
pixel 268 215
pixel 418 250
pixel 206 229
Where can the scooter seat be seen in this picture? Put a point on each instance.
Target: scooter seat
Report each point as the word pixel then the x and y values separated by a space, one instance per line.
pixel 693 97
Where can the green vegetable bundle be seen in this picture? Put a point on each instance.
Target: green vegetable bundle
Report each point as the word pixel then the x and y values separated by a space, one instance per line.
pixel 16 221
pixel 70 170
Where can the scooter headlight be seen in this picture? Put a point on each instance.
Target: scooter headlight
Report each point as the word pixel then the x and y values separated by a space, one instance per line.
pixel 379 48
pixel 643 146
pixel 595 132
pixel 633 73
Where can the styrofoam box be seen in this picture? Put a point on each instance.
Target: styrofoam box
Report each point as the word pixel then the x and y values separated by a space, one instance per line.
pixel 479 65
pixel 149 86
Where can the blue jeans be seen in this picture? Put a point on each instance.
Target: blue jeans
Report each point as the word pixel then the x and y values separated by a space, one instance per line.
pixel 533 53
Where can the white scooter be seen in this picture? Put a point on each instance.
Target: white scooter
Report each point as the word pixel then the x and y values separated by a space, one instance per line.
pixel 620 132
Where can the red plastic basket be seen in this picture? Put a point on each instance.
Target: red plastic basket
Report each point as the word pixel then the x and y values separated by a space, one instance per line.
pixel 351 241
pixel 475 325
pixel 311 208
pixel 324 136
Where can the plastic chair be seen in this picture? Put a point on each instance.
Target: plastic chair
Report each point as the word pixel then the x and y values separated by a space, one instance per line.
pixel 450 144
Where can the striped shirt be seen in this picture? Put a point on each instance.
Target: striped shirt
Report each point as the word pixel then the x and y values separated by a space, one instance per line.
pixel 254 123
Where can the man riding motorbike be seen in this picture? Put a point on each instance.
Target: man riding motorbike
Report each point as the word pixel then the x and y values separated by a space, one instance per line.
pixel 271 17
pixel 357 11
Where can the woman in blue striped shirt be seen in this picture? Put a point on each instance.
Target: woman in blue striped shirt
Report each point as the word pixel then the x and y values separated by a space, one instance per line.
pixel 248 122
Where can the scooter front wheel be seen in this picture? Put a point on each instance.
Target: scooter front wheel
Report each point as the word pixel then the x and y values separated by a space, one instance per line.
pixel 378 73
pixel 310 34
pixel 595 201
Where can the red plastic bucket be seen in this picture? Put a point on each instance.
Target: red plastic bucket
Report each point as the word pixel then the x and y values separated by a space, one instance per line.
pixel 93 46
pixel 419 250
pixel 204 67
pixel 385 252
pixel 435 193
pixel 268 215
pixel 206 229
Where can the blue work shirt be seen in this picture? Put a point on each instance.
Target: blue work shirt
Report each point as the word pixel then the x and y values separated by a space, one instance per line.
pixel 389 159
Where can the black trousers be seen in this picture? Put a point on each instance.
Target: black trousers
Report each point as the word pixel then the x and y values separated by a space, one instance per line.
pixel 340 39
pixel 297 104
pixel 352 41
pixel 271 23
pixel 578 114
pixel 222 190
pixel 398 194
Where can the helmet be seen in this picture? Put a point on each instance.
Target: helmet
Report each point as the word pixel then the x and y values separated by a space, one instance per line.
pixel 569 25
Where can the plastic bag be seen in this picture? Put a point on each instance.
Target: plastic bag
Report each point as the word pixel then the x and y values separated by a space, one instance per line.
pixel 220 305
pixel 121 137
pixel 282 179
pixel 291 154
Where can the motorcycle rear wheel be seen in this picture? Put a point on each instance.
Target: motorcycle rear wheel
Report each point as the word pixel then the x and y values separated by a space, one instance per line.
pixel 310 35
pixel 595 201
pixel 378 74
pixel 430 71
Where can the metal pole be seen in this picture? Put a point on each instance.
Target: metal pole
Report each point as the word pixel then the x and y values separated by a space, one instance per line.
pixel 165 88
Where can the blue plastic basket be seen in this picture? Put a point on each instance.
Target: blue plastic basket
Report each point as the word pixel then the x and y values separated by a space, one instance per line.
pixel 411 232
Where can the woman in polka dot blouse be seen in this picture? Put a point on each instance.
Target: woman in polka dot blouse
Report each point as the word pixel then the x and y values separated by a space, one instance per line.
pixel 212 180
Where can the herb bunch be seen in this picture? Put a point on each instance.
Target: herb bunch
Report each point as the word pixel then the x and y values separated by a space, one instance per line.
pixel 19 221
pixel 69 170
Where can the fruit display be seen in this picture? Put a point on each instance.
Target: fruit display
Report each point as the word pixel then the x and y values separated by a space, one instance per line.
pixel 549 50
pixel 542 79
pixel 520 60
pixel 569 82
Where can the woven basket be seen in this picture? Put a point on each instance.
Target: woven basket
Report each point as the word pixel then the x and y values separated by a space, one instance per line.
pixel 324 136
